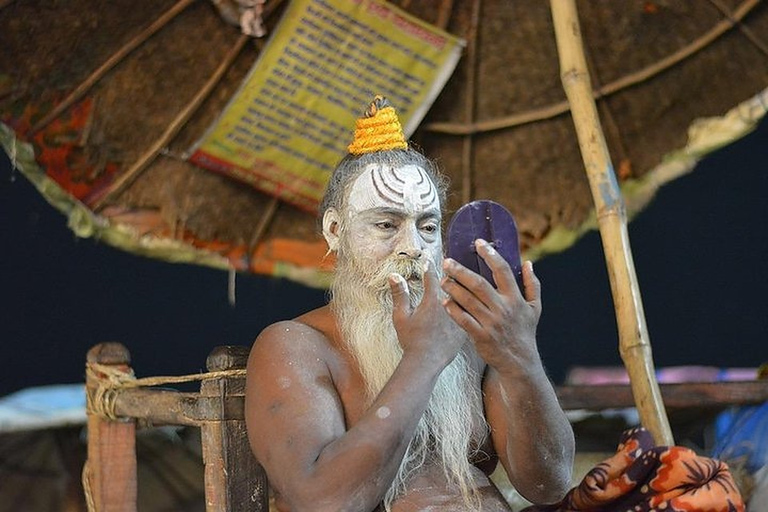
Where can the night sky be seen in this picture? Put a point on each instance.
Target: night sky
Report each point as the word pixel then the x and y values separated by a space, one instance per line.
pixel 700 251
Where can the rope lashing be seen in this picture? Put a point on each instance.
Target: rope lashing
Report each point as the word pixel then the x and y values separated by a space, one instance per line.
pixel 112 380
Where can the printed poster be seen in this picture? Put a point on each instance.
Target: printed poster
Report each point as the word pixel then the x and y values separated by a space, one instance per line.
pixel 290 122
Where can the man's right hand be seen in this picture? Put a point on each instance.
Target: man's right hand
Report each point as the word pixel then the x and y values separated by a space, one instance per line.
pixel 425 331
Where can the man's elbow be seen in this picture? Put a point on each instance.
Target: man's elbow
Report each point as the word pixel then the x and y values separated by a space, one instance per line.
pixel 554 492
pixel 551 491
pixel 558 474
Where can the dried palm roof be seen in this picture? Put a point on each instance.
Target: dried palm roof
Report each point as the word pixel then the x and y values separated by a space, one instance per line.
pixel 500 129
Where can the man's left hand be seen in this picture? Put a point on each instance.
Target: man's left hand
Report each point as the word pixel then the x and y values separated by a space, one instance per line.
pixel 501 322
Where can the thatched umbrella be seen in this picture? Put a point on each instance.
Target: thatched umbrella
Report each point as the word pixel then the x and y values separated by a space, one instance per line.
pixel 100 104
pixel 145 80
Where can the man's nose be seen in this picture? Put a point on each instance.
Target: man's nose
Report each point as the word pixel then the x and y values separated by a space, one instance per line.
pixel 410 245
pixel 411 253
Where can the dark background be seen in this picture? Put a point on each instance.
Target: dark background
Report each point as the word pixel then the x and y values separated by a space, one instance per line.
pixel 700 250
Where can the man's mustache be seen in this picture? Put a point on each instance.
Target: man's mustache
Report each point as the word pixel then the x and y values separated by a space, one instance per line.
pixel 411 269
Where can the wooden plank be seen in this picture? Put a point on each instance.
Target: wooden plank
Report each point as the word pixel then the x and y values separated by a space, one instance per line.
pixel 111 444
pixel 168 407
pixel 234 480
pixel 676 396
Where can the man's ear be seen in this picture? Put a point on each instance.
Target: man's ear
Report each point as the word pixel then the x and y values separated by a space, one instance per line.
pixel 331 228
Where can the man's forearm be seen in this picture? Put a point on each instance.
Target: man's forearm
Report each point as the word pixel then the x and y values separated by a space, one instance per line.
pixel 357 469
pixel 539 438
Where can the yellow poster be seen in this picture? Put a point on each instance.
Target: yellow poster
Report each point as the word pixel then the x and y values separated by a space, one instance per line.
pixel 291 120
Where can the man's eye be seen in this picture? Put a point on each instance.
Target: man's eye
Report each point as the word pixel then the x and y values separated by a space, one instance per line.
pixel 385 225
pixel 429 228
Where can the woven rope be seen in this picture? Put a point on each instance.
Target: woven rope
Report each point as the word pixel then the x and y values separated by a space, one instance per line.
pixel 85 478
pixel 112 380
pixel 378 130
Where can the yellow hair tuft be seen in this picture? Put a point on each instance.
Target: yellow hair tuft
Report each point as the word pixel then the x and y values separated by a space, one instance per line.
pixel 378 130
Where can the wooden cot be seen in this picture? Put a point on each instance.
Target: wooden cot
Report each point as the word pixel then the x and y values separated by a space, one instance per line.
pixel 234 480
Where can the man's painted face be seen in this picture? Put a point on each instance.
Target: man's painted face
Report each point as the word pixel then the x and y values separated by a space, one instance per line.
pixel 393 212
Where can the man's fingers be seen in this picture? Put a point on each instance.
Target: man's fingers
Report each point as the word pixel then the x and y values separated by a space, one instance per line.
pixel 465 299
pixel 401 300
pixel 532 285
pixel 502 273
pixel 463 319
pixel 430 279
pixel 475 284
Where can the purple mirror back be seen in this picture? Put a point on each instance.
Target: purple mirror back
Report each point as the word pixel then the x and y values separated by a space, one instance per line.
pixel 492 222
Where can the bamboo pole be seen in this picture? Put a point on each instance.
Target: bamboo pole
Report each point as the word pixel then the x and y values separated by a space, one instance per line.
pixel 634 345
pixel 266 219
pixel 444 14
pixel 467 149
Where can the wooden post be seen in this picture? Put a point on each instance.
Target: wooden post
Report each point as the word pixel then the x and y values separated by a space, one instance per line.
pixel 111 465
pixel 634 346
pixel 234 480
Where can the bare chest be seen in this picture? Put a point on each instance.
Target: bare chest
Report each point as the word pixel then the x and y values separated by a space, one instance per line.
pixel 429 491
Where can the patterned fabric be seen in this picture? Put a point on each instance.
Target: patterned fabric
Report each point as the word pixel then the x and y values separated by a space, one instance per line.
pixel 642 477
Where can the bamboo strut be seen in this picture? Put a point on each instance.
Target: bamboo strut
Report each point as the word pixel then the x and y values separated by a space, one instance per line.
pixel 126 178
pixel 444 14
pixel 748 33
pixel 261 228
pixel 648 72
pixel 181 119
pixel 634 345
pixel 114 60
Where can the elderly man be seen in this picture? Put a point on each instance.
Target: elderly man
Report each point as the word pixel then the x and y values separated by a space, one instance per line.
pixel 404 391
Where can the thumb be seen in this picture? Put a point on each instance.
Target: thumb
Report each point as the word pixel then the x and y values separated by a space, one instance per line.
pixel 532 285
pixel 401 300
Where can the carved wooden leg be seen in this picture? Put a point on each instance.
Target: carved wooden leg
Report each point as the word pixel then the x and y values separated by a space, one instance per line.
pixel 234 480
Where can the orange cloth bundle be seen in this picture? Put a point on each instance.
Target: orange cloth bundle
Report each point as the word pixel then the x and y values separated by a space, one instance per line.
pixel 642 477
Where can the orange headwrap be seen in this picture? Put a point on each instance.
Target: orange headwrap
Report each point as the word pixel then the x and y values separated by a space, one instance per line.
pixel 378 130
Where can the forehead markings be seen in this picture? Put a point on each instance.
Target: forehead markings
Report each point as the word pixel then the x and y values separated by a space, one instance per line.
pixel 403 191
pixel 430 193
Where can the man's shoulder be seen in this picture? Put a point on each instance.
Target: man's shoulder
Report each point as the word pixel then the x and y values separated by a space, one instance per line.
pixel 312 331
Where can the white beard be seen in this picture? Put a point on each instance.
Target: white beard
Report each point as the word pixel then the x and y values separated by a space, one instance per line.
pixel 453 427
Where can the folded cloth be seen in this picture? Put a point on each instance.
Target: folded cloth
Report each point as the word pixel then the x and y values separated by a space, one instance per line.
pixel 642 477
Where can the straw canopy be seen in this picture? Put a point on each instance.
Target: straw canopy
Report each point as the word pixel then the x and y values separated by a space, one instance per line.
pixel 148 78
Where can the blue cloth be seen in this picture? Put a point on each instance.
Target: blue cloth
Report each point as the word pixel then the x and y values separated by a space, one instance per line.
pixel 43 407
pixel 742 433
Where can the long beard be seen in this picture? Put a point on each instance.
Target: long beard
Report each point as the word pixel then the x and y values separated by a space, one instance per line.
pixel 453 424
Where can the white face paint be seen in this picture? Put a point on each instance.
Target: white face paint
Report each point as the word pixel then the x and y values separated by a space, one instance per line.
pixel 392 212
pixel 408 188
